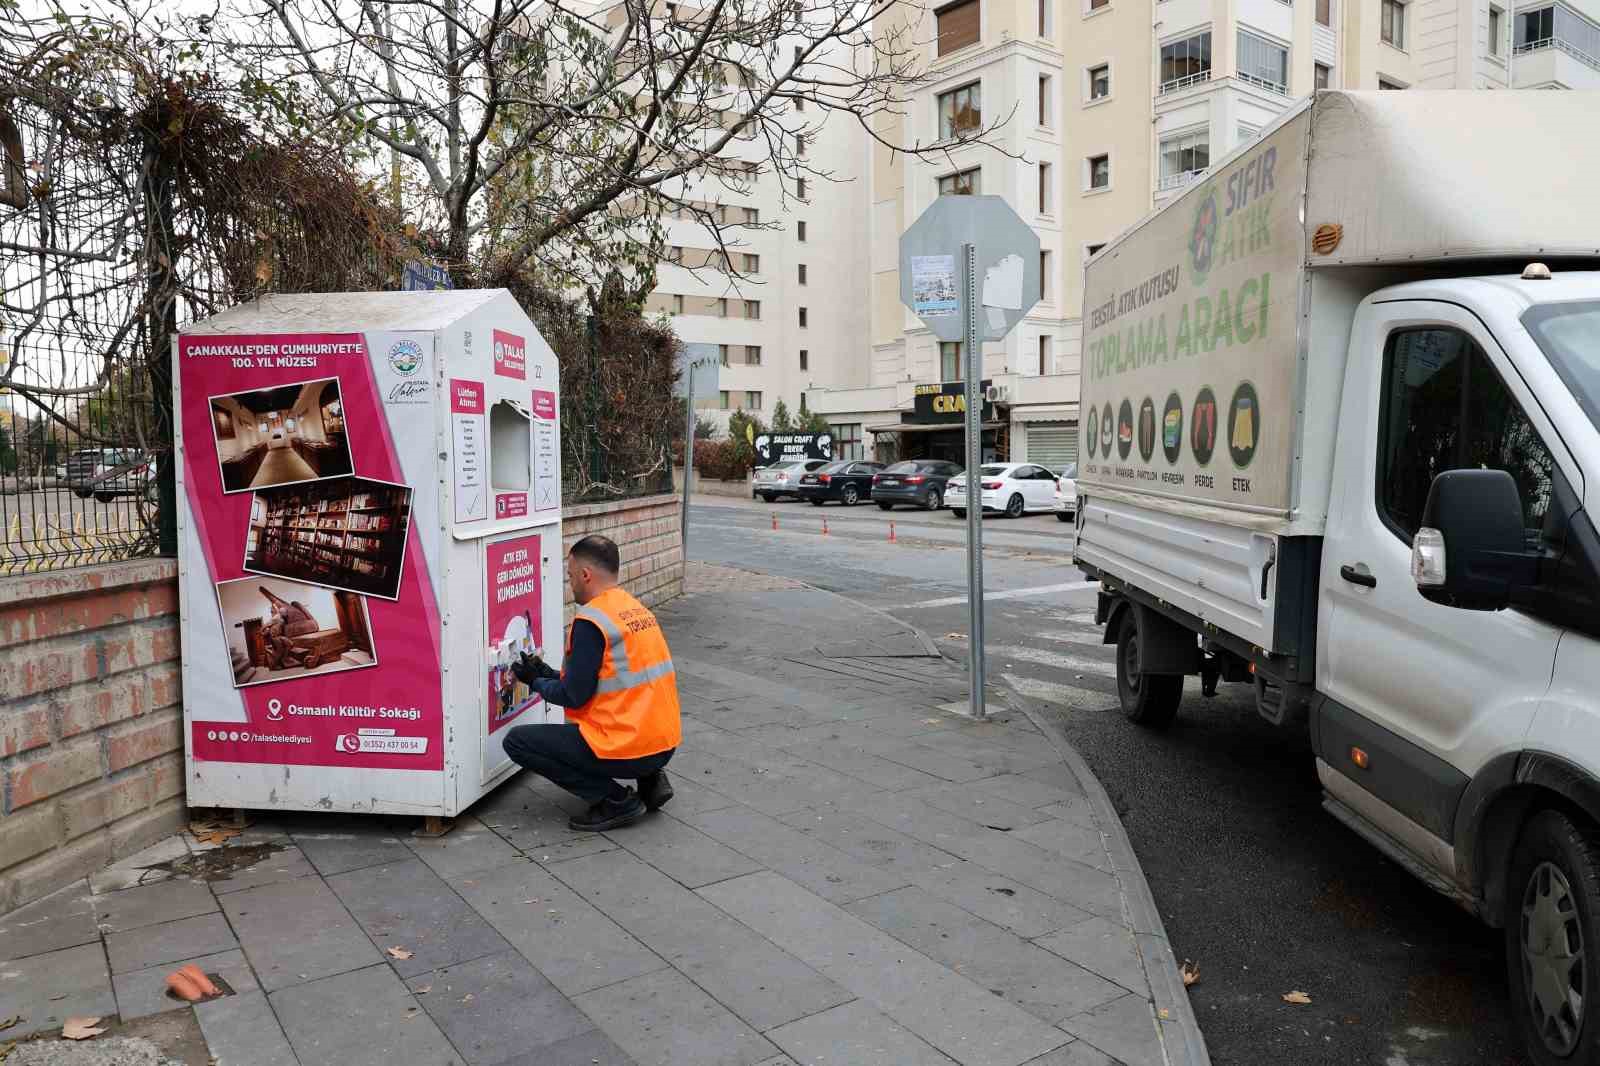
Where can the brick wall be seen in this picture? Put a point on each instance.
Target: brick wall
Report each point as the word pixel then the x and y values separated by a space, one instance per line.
pixel 91 742
pixel 649 536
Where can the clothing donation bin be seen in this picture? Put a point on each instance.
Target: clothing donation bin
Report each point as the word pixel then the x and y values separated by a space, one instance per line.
pixel 369 524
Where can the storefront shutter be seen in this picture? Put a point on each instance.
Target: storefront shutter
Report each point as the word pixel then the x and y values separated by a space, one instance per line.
pixel 1053 444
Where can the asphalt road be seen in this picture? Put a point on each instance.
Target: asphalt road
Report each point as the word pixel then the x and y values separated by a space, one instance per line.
pixel 1262 889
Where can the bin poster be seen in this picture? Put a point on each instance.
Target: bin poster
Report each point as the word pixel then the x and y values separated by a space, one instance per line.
pixel 469 432
pixel 312 631
pixel 515 624
pixel 546 452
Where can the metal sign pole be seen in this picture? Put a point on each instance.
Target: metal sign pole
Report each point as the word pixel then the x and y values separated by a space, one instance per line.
pixel 973 351
pixel 688 461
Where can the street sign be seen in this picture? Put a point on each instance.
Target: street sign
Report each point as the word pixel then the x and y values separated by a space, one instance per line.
pixel 1007 266
pixel 969 269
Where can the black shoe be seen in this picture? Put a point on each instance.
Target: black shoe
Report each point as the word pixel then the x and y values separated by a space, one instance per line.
pixel 609 814
pixel 655 790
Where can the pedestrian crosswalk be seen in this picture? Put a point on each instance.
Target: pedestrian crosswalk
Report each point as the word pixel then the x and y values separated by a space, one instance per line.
pixel 1058 660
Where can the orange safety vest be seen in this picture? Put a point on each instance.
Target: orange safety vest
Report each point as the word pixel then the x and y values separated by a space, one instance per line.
pixel 634 710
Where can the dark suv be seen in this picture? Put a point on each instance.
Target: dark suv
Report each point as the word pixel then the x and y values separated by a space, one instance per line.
pixel 915 481
pixel 848 482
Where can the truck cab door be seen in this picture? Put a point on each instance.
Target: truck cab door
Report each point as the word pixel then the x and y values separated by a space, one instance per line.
pixel 1428 693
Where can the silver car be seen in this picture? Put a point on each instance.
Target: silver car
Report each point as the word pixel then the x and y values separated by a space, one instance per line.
pixel 780 479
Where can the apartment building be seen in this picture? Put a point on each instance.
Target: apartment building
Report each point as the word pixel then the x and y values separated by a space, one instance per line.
pixel 1111 108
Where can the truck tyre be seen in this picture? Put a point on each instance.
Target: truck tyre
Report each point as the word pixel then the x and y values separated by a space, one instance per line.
pixel 1552 902
pixel 1150 700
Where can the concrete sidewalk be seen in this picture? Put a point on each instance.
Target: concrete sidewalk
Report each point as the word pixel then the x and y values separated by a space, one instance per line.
pixel 851 873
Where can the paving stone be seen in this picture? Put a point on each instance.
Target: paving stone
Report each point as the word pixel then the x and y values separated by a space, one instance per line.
pixel 825 870
pixel 1124 1029
pixel 1045 985
pixel 153 904
pixel 285 865
pixel 242 1031
pixel 847 759
pixel 334 852
pixel 468 847
pixel 682 852
pixel 664 1019
pixel 960 1018
pixel 855 1034
pixel 973 803
pixel 1070 839
pixel 144 992
pixel 140 868
pixel 1076 1053
pixel 690 797
pixel 1074 809
pixel 871 842
pixel 1009 904
pixel 1103 945
pixel 593 1048
pixel 362 1018
pixel 561 933
pixel 762 789
pixel 1056 775
pixel 186 938
pixel 745 972
pixel 29 987
pixel 267 918
pixel 1026 791
pixel 406 905
pixel 497 1008
pixel 537 827
pixel 997 759
pixel 60 920
pixel 937 763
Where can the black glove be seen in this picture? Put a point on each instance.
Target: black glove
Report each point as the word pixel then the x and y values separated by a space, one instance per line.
pixel 528 668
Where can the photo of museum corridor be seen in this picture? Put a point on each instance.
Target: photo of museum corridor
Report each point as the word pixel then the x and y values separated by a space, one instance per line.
pixel 280 436
pixel 349 533
pixel 280 629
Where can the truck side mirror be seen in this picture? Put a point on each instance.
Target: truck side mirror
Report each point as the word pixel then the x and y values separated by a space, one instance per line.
pixel 1471 551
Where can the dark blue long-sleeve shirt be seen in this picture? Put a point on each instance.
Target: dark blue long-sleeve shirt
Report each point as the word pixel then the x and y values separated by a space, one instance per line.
pixel 580 673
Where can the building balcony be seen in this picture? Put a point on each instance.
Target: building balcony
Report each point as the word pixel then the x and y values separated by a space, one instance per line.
pixel 1177 85
pixel 1178 181
pixel 1554 63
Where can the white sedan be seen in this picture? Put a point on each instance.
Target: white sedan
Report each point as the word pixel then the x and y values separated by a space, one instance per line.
pixel 1014 489
pixel 1067 493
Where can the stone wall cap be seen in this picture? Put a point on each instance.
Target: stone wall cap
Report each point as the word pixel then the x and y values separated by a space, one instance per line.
pixel 79 580
pixel 580 510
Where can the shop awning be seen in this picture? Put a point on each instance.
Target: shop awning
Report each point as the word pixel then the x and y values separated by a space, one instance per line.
pixel 934 427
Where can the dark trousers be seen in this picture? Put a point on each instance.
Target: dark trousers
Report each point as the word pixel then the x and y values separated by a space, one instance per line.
pixel 559 753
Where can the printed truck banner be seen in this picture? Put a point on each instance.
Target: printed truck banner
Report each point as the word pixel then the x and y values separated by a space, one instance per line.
pixel 515 624
pixel 322 647
pixel 510 355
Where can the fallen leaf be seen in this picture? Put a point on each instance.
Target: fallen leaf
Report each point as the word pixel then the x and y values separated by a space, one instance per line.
pixel 1163 1014
pixel 955 636
pixel 1004 891
pixel 400 953
pixel 1296 997
pixel 11 1045
pixel 412 1012
pixel 530 901
pixel 7 1023
pixel 1190 972
pixel 467 998
pixel 80 1029
pixel 424 990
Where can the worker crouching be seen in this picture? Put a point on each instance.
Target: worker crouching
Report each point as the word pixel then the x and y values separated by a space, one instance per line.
pixel 621 695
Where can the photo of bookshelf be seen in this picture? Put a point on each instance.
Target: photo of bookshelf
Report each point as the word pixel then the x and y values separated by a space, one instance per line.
pixel 280 436
pixel 279 629
pixel 348 533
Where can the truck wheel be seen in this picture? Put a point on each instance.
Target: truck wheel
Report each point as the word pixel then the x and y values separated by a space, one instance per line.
pixel 1147 699
pixel 1552 901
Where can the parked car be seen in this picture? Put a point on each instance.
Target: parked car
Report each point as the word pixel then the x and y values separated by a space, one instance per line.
pixel 1067 493
pixel 1014 489
pixel 106 473
pixel 915 481
pixel 848 481
pixel 782 479
pixel 84 465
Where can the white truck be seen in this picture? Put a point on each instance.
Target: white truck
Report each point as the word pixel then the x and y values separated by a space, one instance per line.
pixel 1341 413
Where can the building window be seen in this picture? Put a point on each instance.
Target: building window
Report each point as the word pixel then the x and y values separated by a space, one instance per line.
pixel 1263 63
pixel 675 254
pixel 1046 180
pixel 752 309
pixel 960 112
pixel 1044 354
pixel 1497 20
pixel 723 354
pixel 752 354
pixel 847 440
pixel 1535 29
pixel 1183 158
pixel 805 362
pixel 803 318
pixel 722 307
pixel 1325 12
pixel 752 215
pixel 1092 250
pixel 1392 86
pixel 1100 81
pixel 677 305
pixel 1392 23
pixel 752 400
pixel 1044 17
pixel 1321 76
pixel 802 273
pixel 1096 5
pixel 1045 92
pixel 800 188
pixel 800 232
pixel 752 263
pixel 957 26
pixel 1185 62
pixel 1044 277
pixel 964 183
pixel 1247 133
pixel 1099 171
pixel 722 399
pixel 800 144
pixel 949 360
pixel 799 103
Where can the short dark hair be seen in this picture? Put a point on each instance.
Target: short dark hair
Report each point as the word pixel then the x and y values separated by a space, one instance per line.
pixel 599 551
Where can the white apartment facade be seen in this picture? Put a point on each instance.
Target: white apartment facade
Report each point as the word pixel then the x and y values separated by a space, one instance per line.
pixel 1112 107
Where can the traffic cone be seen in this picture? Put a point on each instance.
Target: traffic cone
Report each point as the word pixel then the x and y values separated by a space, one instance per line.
pixel 824 527
pixel 891 531
pixel 774 521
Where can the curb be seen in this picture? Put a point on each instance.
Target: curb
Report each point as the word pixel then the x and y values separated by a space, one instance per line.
pixel 1179 1029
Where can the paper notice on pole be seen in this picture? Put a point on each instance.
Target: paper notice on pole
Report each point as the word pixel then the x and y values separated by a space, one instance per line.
pixel 933 286
pixel 1002 284
pixel 546 453
pixel 468 433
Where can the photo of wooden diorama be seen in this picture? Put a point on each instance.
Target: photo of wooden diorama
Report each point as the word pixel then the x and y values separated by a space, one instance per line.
pixel 349 533
pixel 281 436
pixel 279 629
